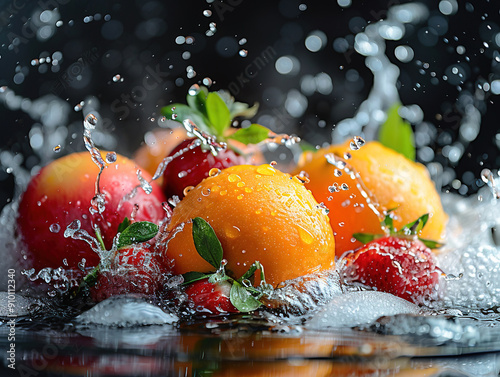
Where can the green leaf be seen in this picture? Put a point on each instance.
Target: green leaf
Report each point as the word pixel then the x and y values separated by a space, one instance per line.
pixel 206 242
pixel 183 112
pixel 98 236
pixel 192 276
pixel 388 223
pixel 307 147
pixel 242 299
pixel 253 134
pixel 397 134
pixel 240 109
pixel 140 231
pixel 124 225
pixel 199 100
pixel 364 237
pixel 218 113
pixel 416 226
pixel 431 244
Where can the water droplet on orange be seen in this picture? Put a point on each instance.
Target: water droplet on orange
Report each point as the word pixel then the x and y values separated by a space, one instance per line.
pixel 233 178
pixel 187 189
pixel 305 236
pixel 213 172
pixel 266 170
pixel 232 232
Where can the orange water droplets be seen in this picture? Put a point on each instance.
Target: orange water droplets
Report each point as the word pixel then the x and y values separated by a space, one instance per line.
pixel 233 178
pixel 265 169
pixel 305 235
pixel 187 189
pixel 213 172
pixel 232 232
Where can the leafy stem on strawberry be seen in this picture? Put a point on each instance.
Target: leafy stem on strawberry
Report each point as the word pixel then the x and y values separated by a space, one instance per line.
pixel 128 234
pixel 213 113
pixel 243 295
pixel 409 231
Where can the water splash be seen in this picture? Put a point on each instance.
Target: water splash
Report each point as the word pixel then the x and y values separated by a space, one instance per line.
pixel 372 44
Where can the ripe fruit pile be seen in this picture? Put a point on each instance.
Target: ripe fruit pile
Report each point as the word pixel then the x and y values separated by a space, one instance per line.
pixel 232 220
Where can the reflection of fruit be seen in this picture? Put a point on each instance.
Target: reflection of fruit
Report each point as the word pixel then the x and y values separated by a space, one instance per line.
pixel 62 191
pixel 192 166
pixel 210 298
pixel 405 268
pixel 393 180
pixel 258 213
pixel 135 269
pixel 158 144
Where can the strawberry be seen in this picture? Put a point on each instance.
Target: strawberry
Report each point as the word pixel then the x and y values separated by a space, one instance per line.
pixel 211 298
pixel 398 263
pixel 405 268
pixel 131 266
pixel 134 269
pixel 209 117
pixel 191 167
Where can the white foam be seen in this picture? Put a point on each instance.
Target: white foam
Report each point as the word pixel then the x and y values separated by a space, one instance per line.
pixel 359 308
pixel 123 311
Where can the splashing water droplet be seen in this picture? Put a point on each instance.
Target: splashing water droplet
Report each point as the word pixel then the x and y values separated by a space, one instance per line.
pixel 55 228
pixel 207 81
pixel 193 90
pixel 344 186
pixel 488 178
pixel 145 185
pixel 90 122
pixel 111 157
pixel 57 148
pixel 359 141
pixel 116 78
pixel 353 146
pixel 334 188
pixel 242 41
pixel 73 227
pixel 207 13
pixel 243 53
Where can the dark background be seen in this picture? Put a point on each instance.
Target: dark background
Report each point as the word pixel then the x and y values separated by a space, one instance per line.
pixel 139 37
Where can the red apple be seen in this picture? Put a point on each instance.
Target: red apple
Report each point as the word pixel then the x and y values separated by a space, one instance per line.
pixel 62 192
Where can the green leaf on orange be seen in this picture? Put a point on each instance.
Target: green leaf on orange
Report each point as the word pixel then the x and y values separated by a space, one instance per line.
pixel 206 242
pixel 218 113
pixel 397 134
pixel 140 231
pixel 253 134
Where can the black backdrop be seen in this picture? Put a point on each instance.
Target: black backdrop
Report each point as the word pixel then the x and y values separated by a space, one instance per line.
pixel 138 41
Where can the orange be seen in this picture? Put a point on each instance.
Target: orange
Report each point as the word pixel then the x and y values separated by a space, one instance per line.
pixel 259 214
pixel 388 180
